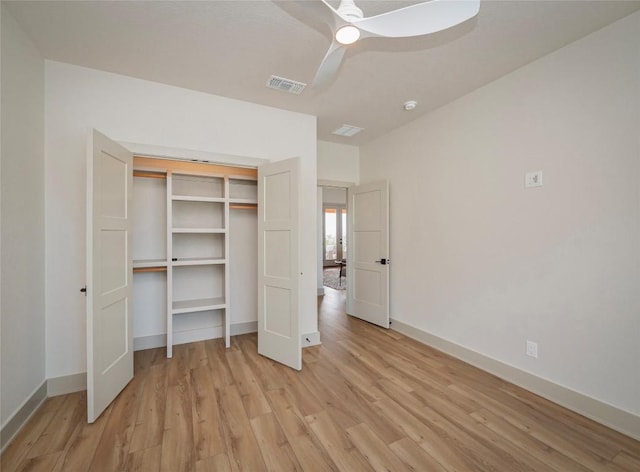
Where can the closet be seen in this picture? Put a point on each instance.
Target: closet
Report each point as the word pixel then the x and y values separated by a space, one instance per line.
pixel 194 250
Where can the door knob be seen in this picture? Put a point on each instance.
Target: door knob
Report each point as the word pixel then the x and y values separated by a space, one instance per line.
pixel 383 261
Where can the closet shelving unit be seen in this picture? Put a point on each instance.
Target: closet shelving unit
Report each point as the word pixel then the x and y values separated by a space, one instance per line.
pixel 199 198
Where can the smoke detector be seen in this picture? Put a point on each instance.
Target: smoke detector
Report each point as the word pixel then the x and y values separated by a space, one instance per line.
pixel 410 105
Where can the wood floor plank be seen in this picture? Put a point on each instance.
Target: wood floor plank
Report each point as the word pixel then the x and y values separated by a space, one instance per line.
pixel 305 446
pixel 553 459
pixel 81 447
pixel 217 361
pixel 177 441
pixel 56 435
pixel 207 425
pixel 242 448
pixel 144 460
pixel 44 463
pixel 253 398
pixel 627 462
pixel 219 463
pixel 149 427
pixel 414 456
pixel 374 450
pixel 336 443
pixel 113 447
pixel 17 451
pixel 273 443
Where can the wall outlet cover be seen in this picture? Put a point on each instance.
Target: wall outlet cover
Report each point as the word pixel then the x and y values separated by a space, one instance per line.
pixel 532 349
pixel 533 179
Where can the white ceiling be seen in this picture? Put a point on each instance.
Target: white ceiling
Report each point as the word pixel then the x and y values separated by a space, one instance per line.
pixel 230 48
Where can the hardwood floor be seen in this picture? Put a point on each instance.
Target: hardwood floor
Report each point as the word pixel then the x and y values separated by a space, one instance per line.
pixel 367 399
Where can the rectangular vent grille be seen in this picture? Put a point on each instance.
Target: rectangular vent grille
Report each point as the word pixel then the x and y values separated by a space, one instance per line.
pixel 286 85
pixel 347 130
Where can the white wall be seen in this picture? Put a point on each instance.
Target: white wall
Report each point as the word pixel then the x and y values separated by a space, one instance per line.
pixel 338 162
pixel 335 195
pixel 22 252
pixel 137 111
pixel 485 263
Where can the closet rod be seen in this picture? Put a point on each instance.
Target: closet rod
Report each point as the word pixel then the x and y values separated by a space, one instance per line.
pixel 243 207
pixel 152 175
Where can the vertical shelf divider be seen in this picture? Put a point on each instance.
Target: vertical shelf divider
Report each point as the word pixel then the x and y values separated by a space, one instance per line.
pixel 169 264
pixel 227 293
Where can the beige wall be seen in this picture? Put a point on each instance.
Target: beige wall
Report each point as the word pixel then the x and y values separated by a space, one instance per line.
pixel 22 240
pixel 487 264
pixel 337 162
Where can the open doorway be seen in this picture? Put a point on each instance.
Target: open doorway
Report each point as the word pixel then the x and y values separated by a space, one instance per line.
pixel 333 244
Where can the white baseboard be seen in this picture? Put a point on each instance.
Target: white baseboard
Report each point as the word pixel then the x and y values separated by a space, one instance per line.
pixel 244 328
pixel 149 342
pixel 16 421
pixel 615 418
pixel 321 291
pixel 66 384
pixel 160 340
pixel 311 339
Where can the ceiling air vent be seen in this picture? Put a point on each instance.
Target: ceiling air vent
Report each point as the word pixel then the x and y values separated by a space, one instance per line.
pixel 347 130
pixel 286 85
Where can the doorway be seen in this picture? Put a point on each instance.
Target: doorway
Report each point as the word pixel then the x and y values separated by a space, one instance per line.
pixel 334 234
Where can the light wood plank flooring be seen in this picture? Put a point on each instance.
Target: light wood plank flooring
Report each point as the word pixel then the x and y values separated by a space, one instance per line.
pixel 367 399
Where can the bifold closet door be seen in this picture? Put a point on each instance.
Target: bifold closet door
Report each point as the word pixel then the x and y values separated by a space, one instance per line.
pixel 109 272
pixel 278 263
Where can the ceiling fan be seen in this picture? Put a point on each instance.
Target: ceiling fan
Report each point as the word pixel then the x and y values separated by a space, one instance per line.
pixel 348 25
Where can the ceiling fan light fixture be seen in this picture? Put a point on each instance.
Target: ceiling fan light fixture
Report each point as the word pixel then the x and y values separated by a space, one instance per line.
pixel 348 34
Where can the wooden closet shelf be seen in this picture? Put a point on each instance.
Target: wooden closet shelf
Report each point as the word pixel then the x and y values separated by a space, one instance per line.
pixel 149 269
pixel 243 206
pixel 150 175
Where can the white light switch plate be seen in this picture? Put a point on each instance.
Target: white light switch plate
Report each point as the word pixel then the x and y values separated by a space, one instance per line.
pixel 533 179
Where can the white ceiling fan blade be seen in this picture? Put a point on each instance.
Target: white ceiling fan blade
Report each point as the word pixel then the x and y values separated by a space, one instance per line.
pixel 330 64
pixel 416 20
pixel 325 12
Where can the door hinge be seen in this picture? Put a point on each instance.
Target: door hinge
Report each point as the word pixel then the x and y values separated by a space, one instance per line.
pixel 84 290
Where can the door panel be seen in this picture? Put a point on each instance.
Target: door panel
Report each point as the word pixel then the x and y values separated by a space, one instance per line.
pixel 368 291
pixel 278 280
pixel 109 271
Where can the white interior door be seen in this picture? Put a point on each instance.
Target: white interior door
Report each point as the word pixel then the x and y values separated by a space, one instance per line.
pixel 368 255
pixel 278 266
pixel 109 272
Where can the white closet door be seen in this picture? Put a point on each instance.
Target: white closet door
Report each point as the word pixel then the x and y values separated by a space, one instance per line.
pixel 109 272
pixel 278 266
pixel 368 254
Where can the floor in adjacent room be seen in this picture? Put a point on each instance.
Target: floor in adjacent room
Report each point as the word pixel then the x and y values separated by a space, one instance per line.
pixel 366 399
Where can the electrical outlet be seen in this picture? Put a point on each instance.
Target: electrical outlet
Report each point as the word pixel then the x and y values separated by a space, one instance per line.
pixel 533 179
pixel 532 349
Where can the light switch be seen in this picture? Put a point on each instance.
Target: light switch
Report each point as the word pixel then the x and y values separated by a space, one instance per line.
pixel 533 179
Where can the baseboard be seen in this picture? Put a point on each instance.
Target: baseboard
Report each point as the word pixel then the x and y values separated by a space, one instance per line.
pixel 615 418
pixel 149 342
pixel 15 423
pixel 67 384
pixel 160 340
pixel 311 339
pixel 244 328
pixel 321 291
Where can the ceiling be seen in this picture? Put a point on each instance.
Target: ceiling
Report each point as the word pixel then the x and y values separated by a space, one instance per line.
pixel 231 48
